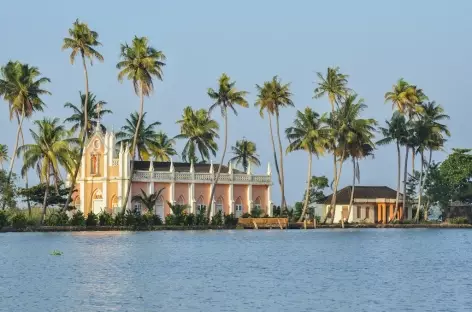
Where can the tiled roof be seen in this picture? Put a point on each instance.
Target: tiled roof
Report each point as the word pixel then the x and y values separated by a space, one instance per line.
pixel 180 167
pixel 365 192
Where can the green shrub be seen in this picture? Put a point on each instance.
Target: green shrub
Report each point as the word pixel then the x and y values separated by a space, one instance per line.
pixel 77 219
pixel 246 215
pixel 156 220
pixel 19 221
pixel 256 212
pixel 133 218
pixel 190 219
pixel 169 219
pixel 217 219
pixel 201 218
pixel 57 218
pixel 150 219
pixel 119 219
pixel 230 220
pixel 105 218
pixel 3 218
pixel 458 220
pixel 92 219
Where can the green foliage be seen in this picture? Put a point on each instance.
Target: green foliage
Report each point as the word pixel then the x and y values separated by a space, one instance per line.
pixel 120 219
pixel 149 219
pixel 92 219
pixel 78 219
pixel 246 215
pixel 245 153
pixel 230 220
pixel 256 212
pixel 8 190
pixel 105 218
pixel 170 219
pixel 3 218
pixel 132 217
pixel 190 219
pixel 276 211
pixel 57 218
pixel 217 219
pixel 317 187
pixel 201 218
pixel 458 220
pixel 36 194
pixel 19 221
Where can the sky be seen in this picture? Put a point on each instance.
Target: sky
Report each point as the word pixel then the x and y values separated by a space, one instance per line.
pixel 427 42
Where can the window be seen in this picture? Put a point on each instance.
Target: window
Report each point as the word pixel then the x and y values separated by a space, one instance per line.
pixel 359 212
pixel 159 209
pixel 201 207
pixel 257 203
pixel 219 204
pixel 137 206
pixel 181 200
pixel 367 212
pixel 238 207
pixel 94 164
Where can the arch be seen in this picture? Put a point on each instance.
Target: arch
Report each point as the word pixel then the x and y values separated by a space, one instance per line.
pixel 114 201
pixel 159 208
pixel 201 204
pixel 257 202
pixel 238 207
pixel 97 194
pixel 181 200
pixel 219 204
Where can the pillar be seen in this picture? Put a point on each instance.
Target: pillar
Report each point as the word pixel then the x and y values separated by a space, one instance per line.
pixel 391 212
pixel 384 213
pixel 249 198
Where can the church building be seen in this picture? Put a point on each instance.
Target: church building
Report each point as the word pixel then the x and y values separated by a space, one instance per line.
pixel 104 178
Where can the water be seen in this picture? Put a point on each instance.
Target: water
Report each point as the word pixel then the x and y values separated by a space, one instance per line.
pixel 324 270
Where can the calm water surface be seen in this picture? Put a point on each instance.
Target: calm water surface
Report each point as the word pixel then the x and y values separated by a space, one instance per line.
pixel 324 270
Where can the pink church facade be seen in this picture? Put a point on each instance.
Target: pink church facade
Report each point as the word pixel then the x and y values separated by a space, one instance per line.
pixel 104 178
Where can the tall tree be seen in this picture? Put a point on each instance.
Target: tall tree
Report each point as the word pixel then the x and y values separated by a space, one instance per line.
pixel 139 63
pixel 149 201
pixel 82 41
pixel 227 96
pixel 273 96
pixel 21 86
pixel 395 132
pixel 95 114
pixel 3 155
pixel 308 134
pixel 163 147
pixel 334 86
pixel 49 151
pixel 146 141
pixel 245 153
pixel 200 132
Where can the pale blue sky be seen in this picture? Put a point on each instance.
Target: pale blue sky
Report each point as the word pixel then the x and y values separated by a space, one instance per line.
pixel 375 42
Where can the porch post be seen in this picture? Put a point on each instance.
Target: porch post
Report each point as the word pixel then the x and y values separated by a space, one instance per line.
pixel 384 213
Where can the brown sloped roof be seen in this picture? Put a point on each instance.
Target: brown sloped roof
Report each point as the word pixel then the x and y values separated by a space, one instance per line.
pixel 367 192
pixel 179 167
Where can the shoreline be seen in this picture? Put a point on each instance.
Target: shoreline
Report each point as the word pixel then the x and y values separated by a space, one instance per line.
pixel 294 226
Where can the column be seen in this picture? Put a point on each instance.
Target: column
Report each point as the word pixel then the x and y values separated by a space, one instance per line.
pixel 105 176
pixel 191 197
pixel 231 194
pixel 269 201
pixel 82 195
pixel 249 197
pixel 391 212
pixel 379 212
pixel 384 213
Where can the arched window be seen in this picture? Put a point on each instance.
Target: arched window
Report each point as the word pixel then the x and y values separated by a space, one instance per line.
pixel 97 194
pixel 114 202
pixel 181 200
pixel 94 164
pixel 238 207
pixel 201 204
pixel 219 204
pixel 159 209
pixel 257 203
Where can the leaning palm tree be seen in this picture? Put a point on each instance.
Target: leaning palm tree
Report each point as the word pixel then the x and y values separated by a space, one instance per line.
pixel 309 134
pixel 334 86
pixel 245 153
pixel 273 96
pixel 49 151
pixel 3 155
pixel 163 147
pixel 396 132
pixel 149 201
pixel 139 63
pixel 225 97
pixel 146 135
pixel 95 114
pixel 21 87
pixel 200 132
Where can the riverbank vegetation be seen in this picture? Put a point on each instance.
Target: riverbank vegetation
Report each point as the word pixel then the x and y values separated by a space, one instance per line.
pixel 417 127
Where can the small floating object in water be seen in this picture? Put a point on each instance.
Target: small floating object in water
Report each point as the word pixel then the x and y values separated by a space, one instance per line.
pixel 56 253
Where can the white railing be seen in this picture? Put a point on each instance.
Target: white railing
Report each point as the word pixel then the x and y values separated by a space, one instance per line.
pixel 115 162
pixel 187 177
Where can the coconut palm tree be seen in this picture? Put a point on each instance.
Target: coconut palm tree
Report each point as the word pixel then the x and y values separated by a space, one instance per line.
pixel 225 97
pixel 148 201
pixel 309 134
pixel 3 154
pixel 200 132
pixel 396 132
pixel 146 141
pixel 245 153
pixel 49 151
pixel 163 147
pixel 95 114
pixel 334 86
pixel 21 86
pixel 404 98
pixel 273 96
pixel 139 63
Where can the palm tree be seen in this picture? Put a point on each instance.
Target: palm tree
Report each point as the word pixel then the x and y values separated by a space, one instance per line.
pixel 200 131
pixel 139 63
pixel 3 154
pixel 149 201
pixel 21 87
pixel 273 96
pixel 226 97
pixel 245 153
pixel 404 98
pixel 396 131
pixel 95 114
pixel 309 134
pixel 333 85
pixel 163 147
pixel 49 151
pixel 146 141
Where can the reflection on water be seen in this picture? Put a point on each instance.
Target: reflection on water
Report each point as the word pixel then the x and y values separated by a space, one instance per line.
pixel 332 270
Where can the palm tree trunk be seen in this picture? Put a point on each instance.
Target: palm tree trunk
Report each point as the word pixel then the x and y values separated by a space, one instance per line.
pixel 86 95
pixel 133 147
pixel 308 185
pixel 417 216
pixel 15 150
pixel 425 217
pixel 212 194
pixel 405 178
pixel 275 154
pixel 26 172
pixel 333 199
pixel 45 200
pixel 282 182
pixel 351 200
pixel 399 178
pixel 336 183
pixel 77 168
